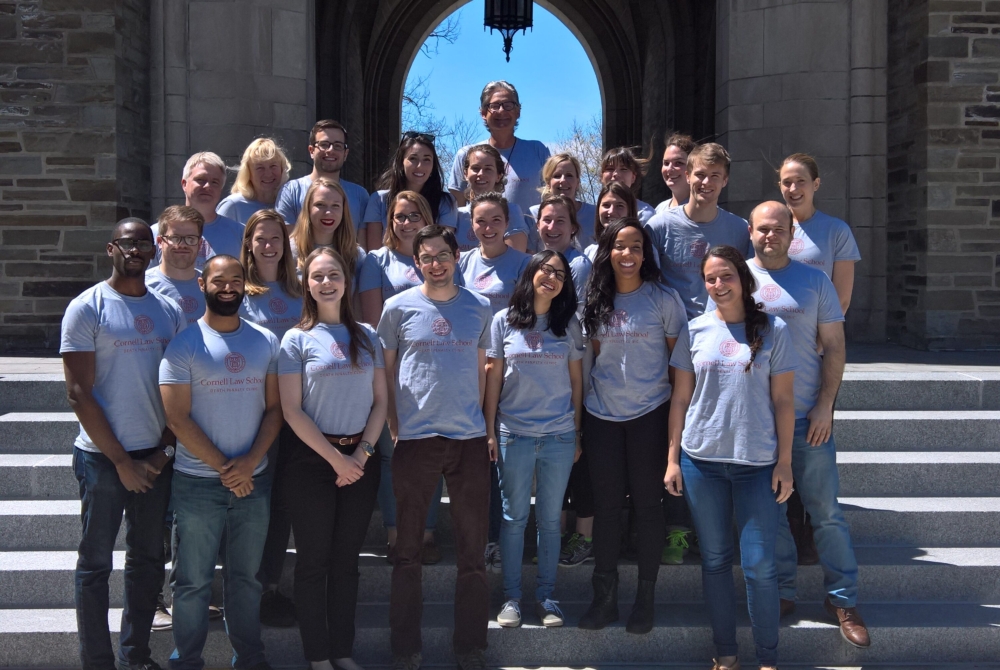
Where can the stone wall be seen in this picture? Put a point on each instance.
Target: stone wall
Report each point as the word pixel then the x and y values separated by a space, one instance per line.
pixel 943 173
pixel 70 155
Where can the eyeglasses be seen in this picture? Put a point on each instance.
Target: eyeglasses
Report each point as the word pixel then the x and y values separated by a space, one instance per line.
pixel 127 244
pixel 412 217
pixel 441 258
pixel 420 137
pixel 189 240
pixel 506 105
pixel 550 271
pixel 326 146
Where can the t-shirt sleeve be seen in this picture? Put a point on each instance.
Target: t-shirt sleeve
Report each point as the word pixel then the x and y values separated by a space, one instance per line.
pixel 227 208
pixel 287 205
pixel 495 350
pixel 486 314
pixel 376 345
pixel 272 365
pixel 456 178
pixel 448 212
pixel 175 368
pixel 176 314
pixel 829 304
pixel 673 313
pixel 374 212
pixel 845 246
pixel 387 328
pixel 79 328
pixel 370 274
pixel 291 355
pixel 577 345
pixel 782 357
pixel 681 356
pixel 517 223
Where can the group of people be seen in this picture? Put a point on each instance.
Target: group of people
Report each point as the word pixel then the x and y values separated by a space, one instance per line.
pixel 283 359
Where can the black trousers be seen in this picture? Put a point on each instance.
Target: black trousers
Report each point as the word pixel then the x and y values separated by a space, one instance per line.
pixel 628 457
pixel 580 490
pixel 330 524
pixel 279 527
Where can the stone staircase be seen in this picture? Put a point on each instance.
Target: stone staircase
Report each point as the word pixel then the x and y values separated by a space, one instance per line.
pixel 920 482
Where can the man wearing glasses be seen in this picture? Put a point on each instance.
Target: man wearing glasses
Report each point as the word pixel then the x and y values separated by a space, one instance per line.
pixel 500 108
pixel 178 239
pixel 434 338
pixel 113 336
pixel 328 150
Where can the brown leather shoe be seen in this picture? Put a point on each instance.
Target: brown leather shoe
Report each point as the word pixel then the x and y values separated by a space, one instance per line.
pixel 787 607
pixel 852 627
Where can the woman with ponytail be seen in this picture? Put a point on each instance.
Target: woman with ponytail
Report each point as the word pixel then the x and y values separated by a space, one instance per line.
pixel 732 418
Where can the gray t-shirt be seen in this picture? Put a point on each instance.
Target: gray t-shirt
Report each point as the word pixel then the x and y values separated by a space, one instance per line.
pixel 466 236
pixel 523 167
pixel 629 376
pixel 227 373
pixel 128 336
pixel 823 240
pixel 396 273
pixel 537 398
pixel 222 236
pixel 238 208
pixel 644 211
pixel 579 268
pixel 437 366
pixel 275 310
pixel 804 297
pixel 378 204
pixel 681 244
pixel 731 416
pixel 185 292
pixel 292 198
pixel 492 278
pixel 336 395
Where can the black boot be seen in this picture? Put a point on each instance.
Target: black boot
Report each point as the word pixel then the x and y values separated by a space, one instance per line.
pixel 640 621
pixel 604 609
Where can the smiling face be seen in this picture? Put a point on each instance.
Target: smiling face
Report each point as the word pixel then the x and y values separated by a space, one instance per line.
pixel 722 282
pixel 501 120
pixel 417 165
pixel 222 281
pixel 482 174
pixel 325 280
pixel 673 169
pixel 265 176
pixel 436 261
pixel 325 213
pixel 771 231
pixel 203 187
pixel 565 180
pixel 618 173
pixel 555 228
pixel 179 254
pixel 550 277
pixel 329 151
pixel 706 181
pixel 611 207
pixel 626 253
pixel 489 223
pixel 267 243
pixel 406 228
pixel 798 188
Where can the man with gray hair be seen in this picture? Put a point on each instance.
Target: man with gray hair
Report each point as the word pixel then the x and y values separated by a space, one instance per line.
pixel 500 108
pixel 202 181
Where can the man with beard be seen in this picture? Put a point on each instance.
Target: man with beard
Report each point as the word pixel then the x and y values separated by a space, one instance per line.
pixel 328 150
pixel 113 336
pixel 220 393
pixel 178 239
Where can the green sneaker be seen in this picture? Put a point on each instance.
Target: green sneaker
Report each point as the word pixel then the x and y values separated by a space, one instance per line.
pixel 570 546
pixel 676 547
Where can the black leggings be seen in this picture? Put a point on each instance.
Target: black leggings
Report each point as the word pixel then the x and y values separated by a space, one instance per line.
pixel 330 524
pixel 628 457
pixel 580 490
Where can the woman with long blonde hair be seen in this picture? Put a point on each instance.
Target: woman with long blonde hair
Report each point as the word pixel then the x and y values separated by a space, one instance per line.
pixel 263 170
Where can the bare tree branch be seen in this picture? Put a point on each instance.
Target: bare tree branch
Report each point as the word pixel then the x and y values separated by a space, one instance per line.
pixel 447 31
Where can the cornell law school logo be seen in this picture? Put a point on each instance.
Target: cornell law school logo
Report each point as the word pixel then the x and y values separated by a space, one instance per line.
pixel 617 318
pixel 729 348
pixel 699 248
pixel 441 327
pixel 235 362
pixel 533 340
pixel 188 304
pixel 338 351
pixel 483 281
pixel 411 274
pixel 796 247
pixel 277 305
pixel 770 293
pixel 143 324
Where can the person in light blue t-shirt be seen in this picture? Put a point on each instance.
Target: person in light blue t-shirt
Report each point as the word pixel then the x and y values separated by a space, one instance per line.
pixel 328 150
pixel 176 276
pixel 673 169
pixel 730 446
pixel 273 291
pixel 263 171
pixel 484 171
pixel 534 391
pixel 220 393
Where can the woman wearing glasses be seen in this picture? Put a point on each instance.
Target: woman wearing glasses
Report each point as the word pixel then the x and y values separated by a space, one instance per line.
pixel 484 171
pixel 500 109
pixel 534 390
pixel 414 167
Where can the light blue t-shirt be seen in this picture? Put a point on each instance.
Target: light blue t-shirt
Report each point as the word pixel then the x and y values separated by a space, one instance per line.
pixel 396 273
pixel 537 397
pixel 668 204
pixel 681 244
pixel 234 206
pixel 437 366
pixel 292 197
pixel 337 396
pixel 222 236
pixel 579 268
pixel 804 297
pixel 378 204
pixel 466 236
pixel 185 292
pixel 492 278
pixel 227 373
pixel 629 376
pixel 644 211
pixel 523 167
pixel 586 216
pixel 128 337
pixel 275 310
pixel 731 416
pixel 823 240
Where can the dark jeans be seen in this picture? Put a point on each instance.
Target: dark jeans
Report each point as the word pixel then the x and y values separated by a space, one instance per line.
pixel 103 500
pixel 279 527
pixel 628 457
pixel 330 526
pixel 579 496
pixel 496 504
pixel 418 466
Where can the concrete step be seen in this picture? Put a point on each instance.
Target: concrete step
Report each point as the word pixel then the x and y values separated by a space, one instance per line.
pixel 37 476
pixel 887 574
pixel 38 432
pixel 917 430
pixel 918 632
pixel 33 393
pixel 920 391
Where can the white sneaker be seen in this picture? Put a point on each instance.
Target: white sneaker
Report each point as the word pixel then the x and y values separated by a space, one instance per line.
pixel 510 615
pixel 549 613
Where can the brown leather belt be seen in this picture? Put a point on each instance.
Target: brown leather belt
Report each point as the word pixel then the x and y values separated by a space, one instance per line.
pixel 343 440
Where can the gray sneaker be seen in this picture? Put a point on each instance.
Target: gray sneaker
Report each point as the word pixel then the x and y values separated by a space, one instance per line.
pixel 411 662
pixel 549 613
pixel 581 551
pixel 568 547
pixel 472 660
pixel 510 615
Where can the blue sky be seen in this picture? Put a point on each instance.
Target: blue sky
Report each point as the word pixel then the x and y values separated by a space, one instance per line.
pixel 548 65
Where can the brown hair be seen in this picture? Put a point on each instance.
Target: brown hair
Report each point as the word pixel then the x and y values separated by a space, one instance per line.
pixel 564 201
pixel 710 153
pixel 617 189
pixel 680 140
pixel 389 240
pixel 805 160
pixel 625 157
pixel 497 157
pixel 345 241
pixel 286 270
pixel 176 213
pixel 755 318
pixel 493 198
pixel 310 310
pixel 326 124
pixel 432 231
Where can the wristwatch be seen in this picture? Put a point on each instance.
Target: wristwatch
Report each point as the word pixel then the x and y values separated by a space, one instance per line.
pixel 168 451
pixel 367 447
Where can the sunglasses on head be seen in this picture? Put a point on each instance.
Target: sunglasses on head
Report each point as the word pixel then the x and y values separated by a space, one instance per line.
pixel 420 137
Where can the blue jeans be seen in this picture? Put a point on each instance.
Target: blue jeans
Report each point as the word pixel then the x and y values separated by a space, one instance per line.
pixel 387 499
pixel 712 491
pixel 205 512
pixel 550 458
pixel 818 483
pixel 103 499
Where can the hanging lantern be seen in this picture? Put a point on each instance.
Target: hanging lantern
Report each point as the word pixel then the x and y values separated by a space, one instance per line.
pixel 508 16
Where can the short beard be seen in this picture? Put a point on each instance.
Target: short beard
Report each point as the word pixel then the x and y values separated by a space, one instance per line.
pixel 221 308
